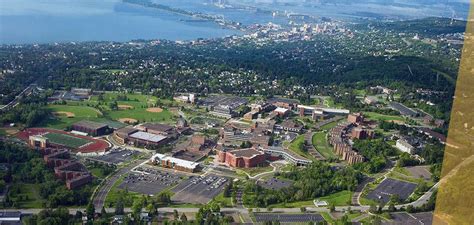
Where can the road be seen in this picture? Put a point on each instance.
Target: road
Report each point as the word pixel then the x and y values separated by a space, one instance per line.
pixel 27 91
pixel 101 194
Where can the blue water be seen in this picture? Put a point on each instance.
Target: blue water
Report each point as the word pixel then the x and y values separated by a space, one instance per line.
pixel 47 21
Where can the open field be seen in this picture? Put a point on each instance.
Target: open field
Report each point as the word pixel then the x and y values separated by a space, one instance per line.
pixel 329 125
pixel 65 115
pixel 377 116
pixel 131 108
pixel 288 218
pixel 66 140
pixel 255 170
pixel 294 147
pixel 321 144
pixel 341 198
pixel 30 196
pixel 223 201
pixel 338 199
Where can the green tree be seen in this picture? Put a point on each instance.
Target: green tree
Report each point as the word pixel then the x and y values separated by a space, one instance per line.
pixel 90 211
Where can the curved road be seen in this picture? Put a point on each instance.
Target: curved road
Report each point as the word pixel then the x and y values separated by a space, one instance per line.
pixel 101 194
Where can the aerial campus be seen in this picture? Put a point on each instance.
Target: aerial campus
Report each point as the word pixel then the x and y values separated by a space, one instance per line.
pixel 235 152
pixel 315 120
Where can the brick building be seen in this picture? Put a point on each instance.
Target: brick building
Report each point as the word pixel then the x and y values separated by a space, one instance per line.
pixel 136 137
pixel 338 139
pixel 175 163
pixel 361 133
pixel 72 172
pixel 242 158
pixel 355 118
pixel 91 128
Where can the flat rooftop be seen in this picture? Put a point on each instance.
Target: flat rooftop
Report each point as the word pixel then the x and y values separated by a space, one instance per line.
pixel 126 131
pixel 90 124
pixel 247 153
pixel 148 136
pixel 157 126
pixel 176 161
pixel 281 110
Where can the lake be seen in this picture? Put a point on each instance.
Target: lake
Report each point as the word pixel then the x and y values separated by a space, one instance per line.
pixel 47 21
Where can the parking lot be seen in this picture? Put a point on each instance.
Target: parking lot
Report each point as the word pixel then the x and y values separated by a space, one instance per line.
pixel 413 218
pixel 275 183
pixel 116 156
pixel 149 182
pixel 199 190
pixel 288 218
pixel 390 187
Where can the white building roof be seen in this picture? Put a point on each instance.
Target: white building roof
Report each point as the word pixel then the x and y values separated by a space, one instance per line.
pixel 281 110
pixel 148 136
pixel 176 161
pixel 333 110
pixel 306 107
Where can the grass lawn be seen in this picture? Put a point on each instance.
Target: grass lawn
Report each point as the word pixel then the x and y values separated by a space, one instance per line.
pixel 299 204
pixel 338 199
pixel 112 96
pixel 287 168
pixel 377 116
pixel 366 201
pixel 223 201
pixel 141 115
pixel 96 172
pixel 329 125
pixel 255 170
pixel 294 147
pixel 139 104
pixel 82 110
pixel 341 198
pixel 115 193
pixel 353 215
pixel 66 140
pixel 61 121
pixel 408 178
pixel 185 205
pixel 321 144
pixel 402 170
pixel 328 218
pixel 30 196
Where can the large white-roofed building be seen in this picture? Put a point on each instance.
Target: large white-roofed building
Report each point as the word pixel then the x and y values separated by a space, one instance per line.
pixel 175 163
pixel 132 136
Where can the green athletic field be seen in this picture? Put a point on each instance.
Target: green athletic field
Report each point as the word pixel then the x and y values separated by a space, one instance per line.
pixel 66 140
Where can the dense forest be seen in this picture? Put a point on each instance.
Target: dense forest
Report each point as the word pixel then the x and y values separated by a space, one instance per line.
pixel 316 180
pixel 26 167
pixel 243 67
pixel 376 152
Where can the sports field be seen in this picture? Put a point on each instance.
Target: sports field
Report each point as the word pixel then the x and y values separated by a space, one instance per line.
pixel 65 115
pixel 66 140
pixel 132 106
